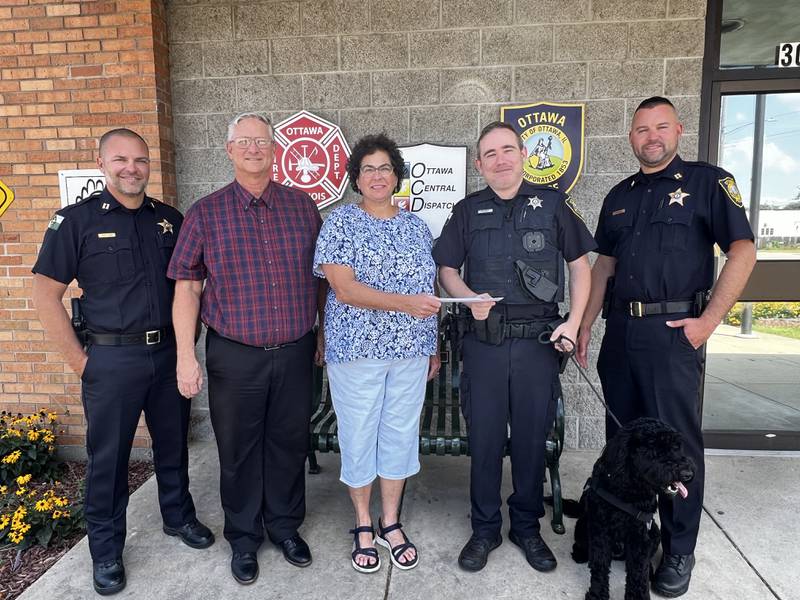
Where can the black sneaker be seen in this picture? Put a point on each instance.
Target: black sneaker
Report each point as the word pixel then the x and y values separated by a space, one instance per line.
pixel 537 553
pixel 673 575
pixel 108 577
pixel 475 553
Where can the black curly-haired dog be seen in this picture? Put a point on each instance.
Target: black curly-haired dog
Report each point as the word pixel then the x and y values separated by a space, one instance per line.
pixel 645 458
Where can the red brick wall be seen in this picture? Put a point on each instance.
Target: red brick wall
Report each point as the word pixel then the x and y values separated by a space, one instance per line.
pixel 68 73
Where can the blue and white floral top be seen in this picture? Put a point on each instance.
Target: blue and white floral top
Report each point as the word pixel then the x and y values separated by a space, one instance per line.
pixel 390 255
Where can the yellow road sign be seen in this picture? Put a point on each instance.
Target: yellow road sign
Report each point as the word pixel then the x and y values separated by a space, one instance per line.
pixel 6 198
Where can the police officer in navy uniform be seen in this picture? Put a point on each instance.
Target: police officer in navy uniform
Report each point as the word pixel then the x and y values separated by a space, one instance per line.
pixel 117 244
pixel 513 238
pixel 655 235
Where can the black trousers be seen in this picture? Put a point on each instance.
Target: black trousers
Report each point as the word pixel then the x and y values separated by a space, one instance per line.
pixel 650 370
pixel 260 405
pixel 120 382
pixel 513 383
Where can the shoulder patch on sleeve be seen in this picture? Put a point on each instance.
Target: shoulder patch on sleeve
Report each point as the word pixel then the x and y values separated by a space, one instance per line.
pixel 55 222
pixel 573 207
pixel 732 191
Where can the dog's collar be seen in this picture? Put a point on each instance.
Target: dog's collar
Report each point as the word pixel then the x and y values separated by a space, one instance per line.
pixel 627 507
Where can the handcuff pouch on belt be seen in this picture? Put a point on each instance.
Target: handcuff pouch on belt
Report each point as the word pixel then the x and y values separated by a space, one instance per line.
pixel 535 283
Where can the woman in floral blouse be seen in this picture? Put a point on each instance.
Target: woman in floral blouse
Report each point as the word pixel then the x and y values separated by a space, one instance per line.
pixel 380 342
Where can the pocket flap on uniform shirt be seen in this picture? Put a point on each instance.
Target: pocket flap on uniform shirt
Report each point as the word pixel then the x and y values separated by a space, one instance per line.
pixel 618 218
pixel 114 244
pixel 673 217
pixel 486 220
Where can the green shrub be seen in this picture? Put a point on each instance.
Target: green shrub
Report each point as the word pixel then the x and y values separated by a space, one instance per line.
pixel 36 514
pixel 764 310
pixel 27 446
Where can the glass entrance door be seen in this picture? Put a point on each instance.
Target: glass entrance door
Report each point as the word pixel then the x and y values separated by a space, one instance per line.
pixel 752 373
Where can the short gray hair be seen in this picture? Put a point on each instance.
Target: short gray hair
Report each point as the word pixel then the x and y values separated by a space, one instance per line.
pixel 248 115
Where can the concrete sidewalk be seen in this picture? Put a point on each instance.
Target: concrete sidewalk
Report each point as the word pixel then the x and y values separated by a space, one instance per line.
pixel 747 550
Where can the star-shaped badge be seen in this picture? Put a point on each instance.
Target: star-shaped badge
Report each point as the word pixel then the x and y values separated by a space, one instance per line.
pixel 677 197
pixel 166 226
pixel 534 202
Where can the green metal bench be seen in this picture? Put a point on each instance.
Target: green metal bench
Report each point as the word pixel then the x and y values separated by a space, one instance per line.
pixel 442 429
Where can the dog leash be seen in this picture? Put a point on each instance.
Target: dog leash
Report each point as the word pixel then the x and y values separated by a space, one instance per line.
pixel 544 338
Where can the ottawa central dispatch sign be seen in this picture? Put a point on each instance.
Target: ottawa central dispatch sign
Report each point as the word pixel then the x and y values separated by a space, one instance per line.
pixel 311 155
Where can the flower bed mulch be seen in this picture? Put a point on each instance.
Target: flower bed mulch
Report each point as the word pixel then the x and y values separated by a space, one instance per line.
pixel 17 574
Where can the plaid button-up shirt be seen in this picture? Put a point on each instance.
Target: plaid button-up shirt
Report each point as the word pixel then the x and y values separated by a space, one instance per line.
pixel 256 256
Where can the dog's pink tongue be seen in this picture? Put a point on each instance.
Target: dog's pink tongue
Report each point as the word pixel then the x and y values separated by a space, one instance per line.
pixel 681 489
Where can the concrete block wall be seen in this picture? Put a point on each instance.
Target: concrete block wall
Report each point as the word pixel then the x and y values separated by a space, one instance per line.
pixel 434 71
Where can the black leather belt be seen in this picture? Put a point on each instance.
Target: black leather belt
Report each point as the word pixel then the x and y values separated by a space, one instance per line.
pixel 647 309
pixel 149 338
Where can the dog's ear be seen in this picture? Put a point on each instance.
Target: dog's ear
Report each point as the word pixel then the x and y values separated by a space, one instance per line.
pixel 615 453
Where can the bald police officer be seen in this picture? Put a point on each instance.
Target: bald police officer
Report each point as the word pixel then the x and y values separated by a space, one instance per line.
pixel 513 238
pixel 117 244
pixel 655 237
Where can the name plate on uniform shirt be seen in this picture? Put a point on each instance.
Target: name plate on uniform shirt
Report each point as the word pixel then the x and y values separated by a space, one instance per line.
pixel 787 54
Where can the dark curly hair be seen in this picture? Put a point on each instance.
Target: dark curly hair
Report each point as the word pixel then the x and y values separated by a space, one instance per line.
pixel 370 144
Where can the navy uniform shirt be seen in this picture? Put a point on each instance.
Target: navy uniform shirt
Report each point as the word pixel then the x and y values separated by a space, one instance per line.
pixel 662 227
pixel 119 257
pixel 455 244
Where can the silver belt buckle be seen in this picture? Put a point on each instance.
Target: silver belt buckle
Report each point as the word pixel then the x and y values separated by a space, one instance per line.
pixel 152 337
pixel 637 310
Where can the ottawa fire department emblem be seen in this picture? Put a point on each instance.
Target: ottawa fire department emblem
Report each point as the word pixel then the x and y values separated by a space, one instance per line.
pixel 311 154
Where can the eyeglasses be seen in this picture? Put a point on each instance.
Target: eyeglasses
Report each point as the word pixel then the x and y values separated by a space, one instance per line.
pixel 369 170
pixel 245 142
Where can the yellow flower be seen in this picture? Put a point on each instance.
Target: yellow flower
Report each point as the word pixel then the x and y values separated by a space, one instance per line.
pixel 61 502
pixel 13 457
pixel 43 506
pixel 21 491
pixel 3 489
pixel 48 438
pixel 53 417
pixel 23 479
pixel 33 435
pixel 57 514
pixel 16 537
pixel 65 514
pixel 4 521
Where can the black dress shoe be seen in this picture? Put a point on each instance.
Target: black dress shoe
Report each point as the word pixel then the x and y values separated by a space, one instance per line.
pixel 296 551
pixel 475 553
pixel 244 567
pixel 536 551
pixel 673 575
pixel 108 577
pixel 194 534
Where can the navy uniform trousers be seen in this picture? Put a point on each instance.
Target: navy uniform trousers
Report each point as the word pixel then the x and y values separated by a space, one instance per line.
pixel 650 370
pixel 120 382
pixel 514 383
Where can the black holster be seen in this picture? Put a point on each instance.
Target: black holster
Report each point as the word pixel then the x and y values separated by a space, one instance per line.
pixel 700 302
pixel 455 324
pixel 608 298
pixel 78 321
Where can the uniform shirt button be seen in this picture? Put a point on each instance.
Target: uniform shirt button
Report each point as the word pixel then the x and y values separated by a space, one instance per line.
pixel 630 276
pixel 649 190
pixel 509 257
pixel 509 236
pixel 638 233
pixel 633 253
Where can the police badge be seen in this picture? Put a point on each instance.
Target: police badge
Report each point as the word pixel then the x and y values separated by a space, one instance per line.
pixel 552 134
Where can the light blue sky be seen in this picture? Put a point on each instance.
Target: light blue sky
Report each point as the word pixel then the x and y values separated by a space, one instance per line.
pixel 781 163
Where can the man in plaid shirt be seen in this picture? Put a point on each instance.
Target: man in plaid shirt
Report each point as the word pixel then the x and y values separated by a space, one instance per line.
pixel 252 242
